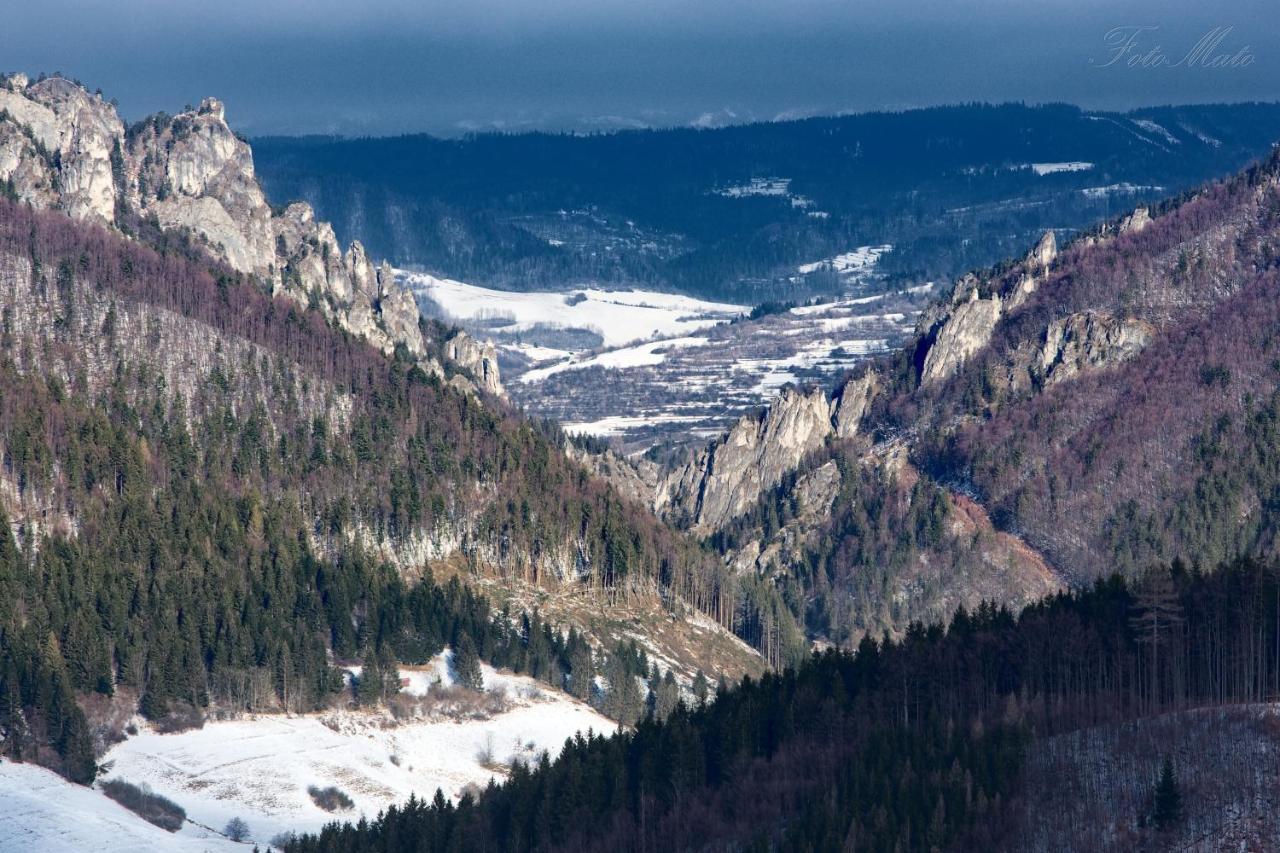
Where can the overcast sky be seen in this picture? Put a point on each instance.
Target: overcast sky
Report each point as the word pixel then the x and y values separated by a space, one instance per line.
pixel 390 66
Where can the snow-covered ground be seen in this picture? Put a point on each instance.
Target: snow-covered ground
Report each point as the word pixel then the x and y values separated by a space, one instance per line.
pixel 1124 188
pixel 758 187
pixel 861 260
pixel 1151 127
pixel 1043 169
pixel 619 316
pixel 646 366
pixel 259 768
pixel 40 812
pixel 639 355
pixel 665 367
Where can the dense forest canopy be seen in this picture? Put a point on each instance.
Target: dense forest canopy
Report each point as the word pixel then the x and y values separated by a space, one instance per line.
pixel 901 746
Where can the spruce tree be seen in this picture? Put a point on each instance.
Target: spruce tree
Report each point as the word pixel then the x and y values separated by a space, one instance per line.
pixel 466 663
pixel 1168 797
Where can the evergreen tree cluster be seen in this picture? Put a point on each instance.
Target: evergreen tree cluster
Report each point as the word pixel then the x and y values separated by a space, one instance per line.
pixel 915 745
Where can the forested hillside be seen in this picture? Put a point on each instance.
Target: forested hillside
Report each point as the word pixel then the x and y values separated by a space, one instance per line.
pixel 204 485
pixel 730 213
pixel 1103 406
pixel 922 744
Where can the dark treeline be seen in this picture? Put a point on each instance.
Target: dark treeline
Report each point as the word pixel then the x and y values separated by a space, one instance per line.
pixel 902 746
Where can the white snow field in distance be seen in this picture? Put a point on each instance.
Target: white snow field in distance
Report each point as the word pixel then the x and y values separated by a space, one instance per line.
pixel 619 316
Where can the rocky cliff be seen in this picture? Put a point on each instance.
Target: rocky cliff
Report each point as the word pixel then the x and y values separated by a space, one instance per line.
pixel 962 327
pixel 64 148
pixel 720 482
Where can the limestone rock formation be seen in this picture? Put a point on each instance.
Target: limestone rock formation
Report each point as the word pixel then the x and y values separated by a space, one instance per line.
pixel 851 403
pixel 963 333
pixel 479 358
pixel 1089 341
pixel 57 144
pixel 1136 221
pixel 722 481
pixel 64 148
pixel 965 326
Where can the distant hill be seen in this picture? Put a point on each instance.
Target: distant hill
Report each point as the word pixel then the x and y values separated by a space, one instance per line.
pixel 731 213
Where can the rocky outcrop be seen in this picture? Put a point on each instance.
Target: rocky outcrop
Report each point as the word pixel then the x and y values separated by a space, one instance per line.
pixel 961 328
pixel 725 479
pixel 57 144
pixel 479 358
pixel 851 402
pixel 1089 341
pixel 63 148
pixel 1136 221
pixel 963 333
pixel 634 478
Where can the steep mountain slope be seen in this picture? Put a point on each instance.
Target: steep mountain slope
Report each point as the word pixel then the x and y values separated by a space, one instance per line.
pixel 746 214
pixel 216 487
pixel 64 148
pixel 1102 406
pixel 1162 443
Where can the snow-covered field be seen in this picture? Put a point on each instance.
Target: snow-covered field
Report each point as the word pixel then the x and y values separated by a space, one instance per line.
pixel 639 355
pixel 1043 169
pixel 1124 188
pixel 258 768
pixel 861 260
pixel 647 366
pixel 40 812
pixel 619 316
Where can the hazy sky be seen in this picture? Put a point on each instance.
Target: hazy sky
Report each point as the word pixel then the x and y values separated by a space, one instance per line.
pixel 386 66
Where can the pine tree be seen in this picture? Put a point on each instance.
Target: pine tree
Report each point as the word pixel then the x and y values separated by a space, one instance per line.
pixel 466 663
pixel 582 667
pixel 1157 616
pixel 700 688
pixel 1168 797
pixel 369 687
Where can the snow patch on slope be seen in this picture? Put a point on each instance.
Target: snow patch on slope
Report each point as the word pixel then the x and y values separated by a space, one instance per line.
pixel 40 811
pixel 259 768
pixel 1043 169
pixel 640 355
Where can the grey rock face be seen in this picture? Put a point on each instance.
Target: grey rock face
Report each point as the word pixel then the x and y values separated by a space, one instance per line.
pixel 728 477
pixel 1089 341
pixel 966 325
pixel 57 145
pixel 1136 221
pixel 479 358
pixel 967 330
pixel 851 403
pixel 63 148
